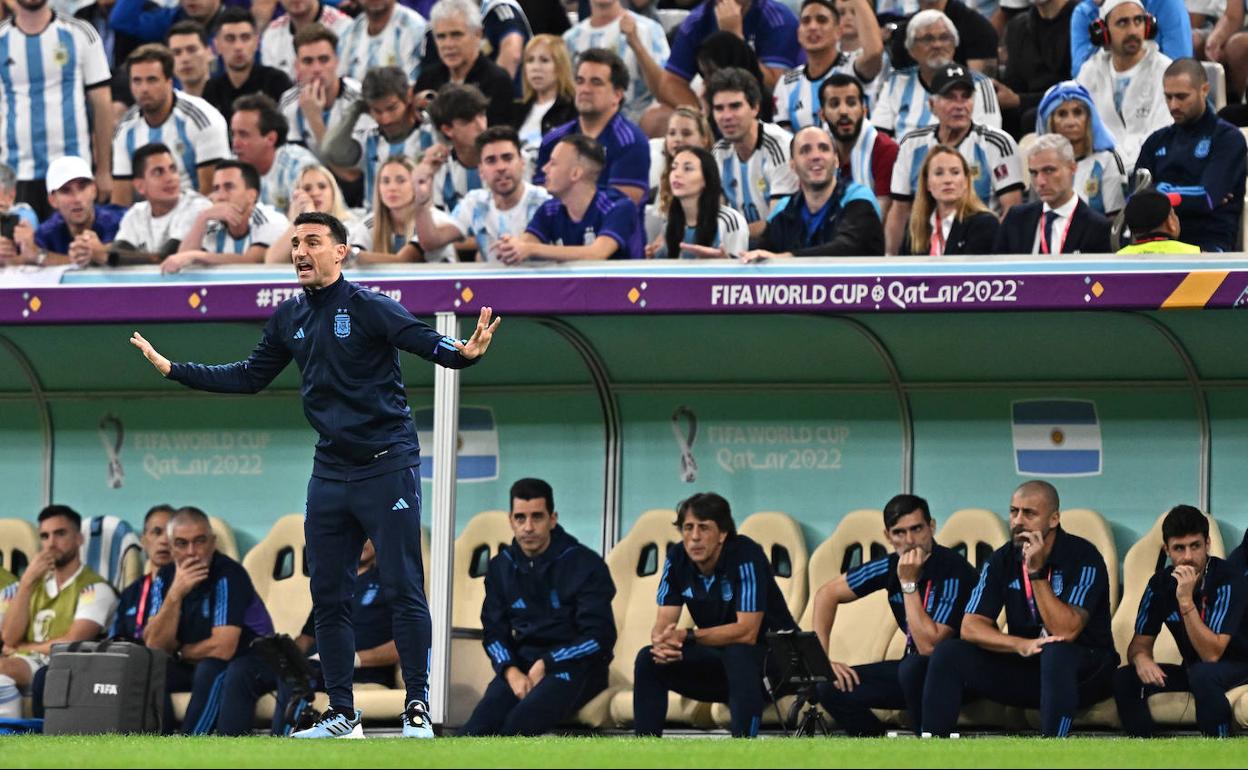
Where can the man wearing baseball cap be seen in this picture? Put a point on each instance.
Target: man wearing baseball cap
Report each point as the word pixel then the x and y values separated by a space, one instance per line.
pixel 1125 76
pixel 79 229
pixel 1154 225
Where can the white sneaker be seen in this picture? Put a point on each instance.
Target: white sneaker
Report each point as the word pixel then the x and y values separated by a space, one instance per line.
pixel 335 724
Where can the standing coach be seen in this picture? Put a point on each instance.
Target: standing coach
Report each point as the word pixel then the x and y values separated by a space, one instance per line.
pixel 364 481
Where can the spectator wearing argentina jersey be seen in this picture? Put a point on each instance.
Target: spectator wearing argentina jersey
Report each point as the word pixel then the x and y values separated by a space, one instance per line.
pixel 819 33
pixel 278 46
pixel 867 154
pixel 385 35
pixel 1101 177
pixel 154 227
pixel 396 127
pixel 1058 651
pixel 506 30
pixel 457 34
pixel 1202 600
pixel 54 99
pixel 927 586
pixel 767 26
pixel 79 229
pixel 191 127
pixel 753 155
pixel 320 95
pixel 505 206
pixel 388 232
pixel 236 228
pixel 601 83
pixel 904 102
pixel 258 136
pixel 697 225
pixel 725 581
pixel 641 44
pixel 581 221
pixel 458 113
pixel 992 154
pixel 852 44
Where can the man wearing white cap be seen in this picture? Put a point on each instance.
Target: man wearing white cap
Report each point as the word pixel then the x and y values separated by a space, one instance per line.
pixel 79 228
pixel 1124 77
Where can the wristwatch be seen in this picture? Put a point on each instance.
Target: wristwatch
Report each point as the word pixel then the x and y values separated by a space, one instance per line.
pixel 909 588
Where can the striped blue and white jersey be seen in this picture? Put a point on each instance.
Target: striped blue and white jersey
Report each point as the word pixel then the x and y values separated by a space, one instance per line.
pixel 992 154
pixel 148 233
pixel 584 36
pixel 500 18
pixel 44 81
pixel 363 233
pixel 1101 180
pixel 751 185
pixel 375 149
pixel 903 103
pixel 797 94
pixel 278 185
pixel 732 234
pixel 300 133
pixel 453 181
pixel 195 131
pixel 478 216
pixel 267 225
pixel 400 44
pixel 277 44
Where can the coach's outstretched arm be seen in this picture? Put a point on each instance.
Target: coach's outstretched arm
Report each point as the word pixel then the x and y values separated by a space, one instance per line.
pixel 406 332
pixel 250 376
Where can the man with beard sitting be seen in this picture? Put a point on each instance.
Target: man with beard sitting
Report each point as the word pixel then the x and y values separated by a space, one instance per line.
pixel 867 154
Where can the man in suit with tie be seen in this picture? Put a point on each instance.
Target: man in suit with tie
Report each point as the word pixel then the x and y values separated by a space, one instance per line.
pixel 1059 222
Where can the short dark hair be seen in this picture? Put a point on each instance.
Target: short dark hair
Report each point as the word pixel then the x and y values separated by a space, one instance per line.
pixel 337 230
pixel 904 505
pixel 156 52
pixel 499 134
pixel 155 509
pixel 251 177
pixel 381 82
pixel 138 161
pixel 619 70
pixel 707 506
pixel 315 33
pixel 532 489
pixel 1042 488
pixel 1184 520
pixel 271 118
pixel 840 80
pixel 456 101
pixel 190 512
pixel 188 27
pixel 233 14
pixel 732 79
pixel 52 511
pixel 587 149
pixel 1194 70
pixel 831 6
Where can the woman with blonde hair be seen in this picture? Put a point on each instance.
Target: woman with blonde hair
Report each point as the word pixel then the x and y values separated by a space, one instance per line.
pixel 686 127
pixel 386 234
pixel 947 216
pixel 316 190
pixel 1101 175
pixel 548 90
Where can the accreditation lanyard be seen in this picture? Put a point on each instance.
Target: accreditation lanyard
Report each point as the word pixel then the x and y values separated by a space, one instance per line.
pixel 1044 236
pixel 142 614
pixel 927 593
pixel 1031 598
pixel 938 236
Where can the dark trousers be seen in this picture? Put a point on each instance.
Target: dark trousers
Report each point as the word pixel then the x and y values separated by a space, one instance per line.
pixel 245 683
pixel 1207 682
pixel 341 514
pixel 891 684
pixel 731 674
pixel 1058 680
pixel 557 697
pixel 205 681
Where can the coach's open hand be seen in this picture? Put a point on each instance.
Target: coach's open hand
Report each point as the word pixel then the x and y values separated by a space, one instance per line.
pixel 479 342
pixel 157 360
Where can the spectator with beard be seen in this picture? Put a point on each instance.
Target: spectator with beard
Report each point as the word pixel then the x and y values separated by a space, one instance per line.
pixel 867 154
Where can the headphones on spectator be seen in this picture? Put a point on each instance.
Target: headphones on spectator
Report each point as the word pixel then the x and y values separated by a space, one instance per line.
pixel 1098 30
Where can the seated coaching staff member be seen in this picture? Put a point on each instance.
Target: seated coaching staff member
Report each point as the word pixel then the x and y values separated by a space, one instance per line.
pixel 1059 652
pixel 1202 600
pixel 1059 222
pixel 726 582
pixel 549 630
pixel 927 586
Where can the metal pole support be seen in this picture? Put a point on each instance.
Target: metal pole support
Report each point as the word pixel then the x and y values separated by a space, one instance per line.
pixel 442 524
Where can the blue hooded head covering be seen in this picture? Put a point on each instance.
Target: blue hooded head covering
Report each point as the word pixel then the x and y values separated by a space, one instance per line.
pixel 1063 92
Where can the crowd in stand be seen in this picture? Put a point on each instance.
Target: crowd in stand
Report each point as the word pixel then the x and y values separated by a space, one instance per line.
pixel 550 632
pixel 192 133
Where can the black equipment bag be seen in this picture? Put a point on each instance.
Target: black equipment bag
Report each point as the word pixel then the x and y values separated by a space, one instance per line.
pixel 104 687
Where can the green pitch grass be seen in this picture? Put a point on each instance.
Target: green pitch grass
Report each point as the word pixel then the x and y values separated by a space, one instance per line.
pixel 771 753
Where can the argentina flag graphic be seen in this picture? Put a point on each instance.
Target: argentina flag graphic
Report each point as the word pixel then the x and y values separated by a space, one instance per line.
pixel 477 448
pixel 1056 437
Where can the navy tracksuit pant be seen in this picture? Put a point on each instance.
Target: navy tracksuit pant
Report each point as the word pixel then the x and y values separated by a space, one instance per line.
pixel 1207 682
pixel 556 698
pixel 731 674
pixel 891 684
pixel 205 681
pixel 341 514
pixel 1061 678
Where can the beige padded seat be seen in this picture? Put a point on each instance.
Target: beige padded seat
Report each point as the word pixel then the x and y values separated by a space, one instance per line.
pixel 1091 526
pixel 278 571
pixel 973 532
pixel 484 537
pixel 782 540
pixel 226 542
pixel 20 539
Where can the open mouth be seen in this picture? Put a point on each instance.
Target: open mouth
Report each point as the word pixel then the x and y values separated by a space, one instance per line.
pixel 303 269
